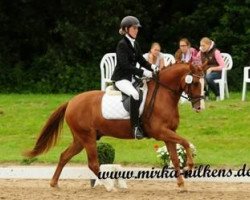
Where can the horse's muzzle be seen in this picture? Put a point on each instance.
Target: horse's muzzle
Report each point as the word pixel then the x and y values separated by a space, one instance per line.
pixel 198 109
pixel 199 105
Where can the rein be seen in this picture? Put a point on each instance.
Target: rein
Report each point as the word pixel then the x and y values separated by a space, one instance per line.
pixel 158 84
pixel 152 100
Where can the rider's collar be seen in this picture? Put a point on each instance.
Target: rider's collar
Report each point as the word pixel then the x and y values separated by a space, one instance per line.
pixel 132 40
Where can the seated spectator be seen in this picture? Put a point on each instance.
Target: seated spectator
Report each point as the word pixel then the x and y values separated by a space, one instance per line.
pixel 208 52
pixel 185 53
pixel 154 56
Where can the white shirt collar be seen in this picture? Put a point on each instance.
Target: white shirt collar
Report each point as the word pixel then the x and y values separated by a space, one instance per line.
pixel 186 56
pixel 131 40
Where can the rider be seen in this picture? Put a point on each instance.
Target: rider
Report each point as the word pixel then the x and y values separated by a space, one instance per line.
pixel 128 54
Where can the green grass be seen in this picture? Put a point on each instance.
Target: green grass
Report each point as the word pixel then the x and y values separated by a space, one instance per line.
pixel 221 133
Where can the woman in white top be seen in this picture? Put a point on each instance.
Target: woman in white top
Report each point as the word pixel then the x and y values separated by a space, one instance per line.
pixel 154 56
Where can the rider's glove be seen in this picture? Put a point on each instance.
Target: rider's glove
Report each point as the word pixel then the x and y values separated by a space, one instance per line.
pixel 147 73
pixel 155 68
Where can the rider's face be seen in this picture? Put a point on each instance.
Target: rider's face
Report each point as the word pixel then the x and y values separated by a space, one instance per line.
pixel 132 31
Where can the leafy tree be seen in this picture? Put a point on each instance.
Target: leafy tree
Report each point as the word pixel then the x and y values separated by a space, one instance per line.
pixel 56 46
pixel 233 33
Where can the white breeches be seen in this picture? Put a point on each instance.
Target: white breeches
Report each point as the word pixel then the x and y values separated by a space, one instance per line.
pixel 126 87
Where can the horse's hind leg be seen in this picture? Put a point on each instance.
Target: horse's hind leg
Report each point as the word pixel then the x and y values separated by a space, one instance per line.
pixel 90 145
pixel 93 163
pixel 71 151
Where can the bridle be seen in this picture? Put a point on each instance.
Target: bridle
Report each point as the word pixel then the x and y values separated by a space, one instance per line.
pixel 189 97
pixel 192 99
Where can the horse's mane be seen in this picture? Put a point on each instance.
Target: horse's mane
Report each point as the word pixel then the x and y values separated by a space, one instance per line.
pixel 177 67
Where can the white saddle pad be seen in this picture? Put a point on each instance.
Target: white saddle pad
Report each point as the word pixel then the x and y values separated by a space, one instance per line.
pixel 112 107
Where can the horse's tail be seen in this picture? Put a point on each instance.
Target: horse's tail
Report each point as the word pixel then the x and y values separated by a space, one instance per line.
pixel 49 134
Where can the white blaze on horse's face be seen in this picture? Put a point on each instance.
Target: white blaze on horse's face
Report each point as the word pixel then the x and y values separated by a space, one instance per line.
pixel 197 94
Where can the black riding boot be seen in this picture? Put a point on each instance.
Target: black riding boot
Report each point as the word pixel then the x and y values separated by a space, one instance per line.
pixel 134 118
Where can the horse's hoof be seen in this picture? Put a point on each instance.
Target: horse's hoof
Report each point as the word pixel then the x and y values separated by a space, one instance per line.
pixel 182 190
pixel 182 187
pixel 92 182
pixel 180 184
pixel 53 184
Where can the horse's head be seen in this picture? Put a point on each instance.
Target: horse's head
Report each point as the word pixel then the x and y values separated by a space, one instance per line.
pixel 193 85
pixel 183 77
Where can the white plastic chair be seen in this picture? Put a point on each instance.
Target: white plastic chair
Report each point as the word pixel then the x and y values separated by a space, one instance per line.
pixel 246 79
pixel 107 67
pixel 168 59
pixel 223 86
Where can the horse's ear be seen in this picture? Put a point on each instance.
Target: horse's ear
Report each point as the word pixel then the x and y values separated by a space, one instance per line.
pixel 192 67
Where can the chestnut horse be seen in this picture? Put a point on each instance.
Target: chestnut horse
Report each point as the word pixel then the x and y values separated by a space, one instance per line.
pixel 160 119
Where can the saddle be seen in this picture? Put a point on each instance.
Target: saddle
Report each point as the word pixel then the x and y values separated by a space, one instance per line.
pixel 116 105
pixel 126 98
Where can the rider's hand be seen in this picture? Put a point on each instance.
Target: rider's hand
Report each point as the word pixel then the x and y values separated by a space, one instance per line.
pixel 155 68
pixel 147 73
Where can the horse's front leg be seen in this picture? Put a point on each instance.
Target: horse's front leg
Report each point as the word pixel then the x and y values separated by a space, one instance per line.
pixel 172 136
pixel 190 162
pixel 174 158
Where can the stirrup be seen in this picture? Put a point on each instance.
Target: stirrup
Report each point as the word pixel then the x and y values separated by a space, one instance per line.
pixel 138 134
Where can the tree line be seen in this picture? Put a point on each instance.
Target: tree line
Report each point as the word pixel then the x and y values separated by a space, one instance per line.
pixel 55 46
